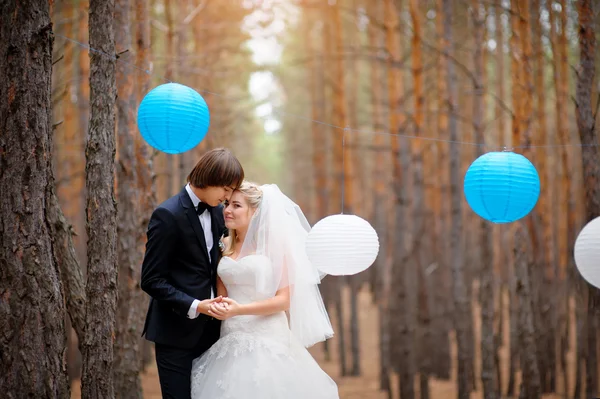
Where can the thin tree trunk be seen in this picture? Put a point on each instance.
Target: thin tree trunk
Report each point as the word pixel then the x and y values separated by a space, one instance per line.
pixel 525 234
pixel 443 317
pixel 591 170
pixel 71 274
pixel 544 275
pixel 32 310
pixel 339 309
pixel 318 147
pixel 342 117
pixel 419 245
pixel 566 226
pixel 144 162
pixel 380 142
pixel 343 169
pixel 127 356
pixel 170 74
pixel 584 114
pixel 101 287
pixel 340 168
pixel 530 384
pixel 486 271
pixel 354 283
pixel 501 257
pixel 401 312
pixel 462 308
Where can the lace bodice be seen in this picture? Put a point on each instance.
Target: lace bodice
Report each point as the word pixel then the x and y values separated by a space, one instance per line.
pixel 240 277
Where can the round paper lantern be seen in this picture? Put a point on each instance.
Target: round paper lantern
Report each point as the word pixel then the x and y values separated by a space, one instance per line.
pixel 587 252
pixel 173 118
pixel 502 187
pixel 342 245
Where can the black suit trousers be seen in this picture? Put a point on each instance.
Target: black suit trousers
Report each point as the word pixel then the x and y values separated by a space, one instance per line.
pixel 175 364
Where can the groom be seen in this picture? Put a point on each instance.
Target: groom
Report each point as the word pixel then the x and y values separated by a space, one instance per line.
pixel 179 271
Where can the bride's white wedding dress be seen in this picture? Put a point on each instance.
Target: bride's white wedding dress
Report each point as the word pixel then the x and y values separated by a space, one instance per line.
pixel 257 357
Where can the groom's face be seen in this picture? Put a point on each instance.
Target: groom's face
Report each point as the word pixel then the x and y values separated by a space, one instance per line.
pixel 213 196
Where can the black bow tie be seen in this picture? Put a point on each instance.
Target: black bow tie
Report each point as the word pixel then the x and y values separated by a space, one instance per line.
pixel 202 206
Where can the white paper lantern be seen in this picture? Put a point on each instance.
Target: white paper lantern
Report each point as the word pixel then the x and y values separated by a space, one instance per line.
pixel 587 252
pixel 342 245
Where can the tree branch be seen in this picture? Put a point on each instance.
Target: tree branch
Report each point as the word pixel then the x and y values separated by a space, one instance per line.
pixel 69 269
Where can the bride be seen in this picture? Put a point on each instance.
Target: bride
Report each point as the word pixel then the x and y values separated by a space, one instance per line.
pixel 272 308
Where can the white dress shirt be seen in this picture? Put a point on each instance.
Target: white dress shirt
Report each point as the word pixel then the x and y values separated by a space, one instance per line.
pixel 205 221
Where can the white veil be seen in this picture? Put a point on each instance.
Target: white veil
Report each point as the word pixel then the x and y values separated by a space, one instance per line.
pixel 278 230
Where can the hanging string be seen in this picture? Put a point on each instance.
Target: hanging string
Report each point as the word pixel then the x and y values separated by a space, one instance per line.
pixel 343 167
pixel 344 129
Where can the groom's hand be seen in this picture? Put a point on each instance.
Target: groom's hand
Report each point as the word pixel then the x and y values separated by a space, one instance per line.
pixel 204 305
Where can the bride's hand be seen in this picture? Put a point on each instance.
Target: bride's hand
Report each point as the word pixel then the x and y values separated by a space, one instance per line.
pixel 225 309
pixel 219 310
pixel 234 307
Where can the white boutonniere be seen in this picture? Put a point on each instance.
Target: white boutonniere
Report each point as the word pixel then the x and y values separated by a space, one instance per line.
pixel 221 245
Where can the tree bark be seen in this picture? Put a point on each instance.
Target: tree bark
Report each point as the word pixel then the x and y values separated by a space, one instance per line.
pixel 442 319
pixel 380 270
pixel 401 306
pixel 486 268
pixel 544 277
pixel 591 169
pixel 501 256
pixel 462 308
pixel 530 384
pixel 101 286
pixel 71 274
pixel 130 310
pixel 144 159
pixel 32 310
pixel 421 243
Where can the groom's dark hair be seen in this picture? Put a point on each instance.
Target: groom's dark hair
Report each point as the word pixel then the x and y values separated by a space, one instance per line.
pixel 217 168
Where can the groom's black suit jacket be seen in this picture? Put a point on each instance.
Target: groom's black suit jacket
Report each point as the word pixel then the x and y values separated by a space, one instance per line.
pixel 176 270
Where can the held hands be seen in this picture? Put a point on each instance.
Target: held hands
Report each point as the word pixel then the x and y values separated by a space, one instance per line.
pixel 224 309
pixel 204 305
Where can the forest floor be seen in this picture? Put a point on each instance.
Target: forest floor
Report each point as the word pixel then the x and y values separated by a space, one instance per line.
pixel 365 386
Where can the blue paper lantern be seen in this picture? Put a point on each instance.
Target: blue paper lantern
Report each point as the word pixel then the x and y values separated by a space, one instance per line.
pixel 173 118
pixel 502 187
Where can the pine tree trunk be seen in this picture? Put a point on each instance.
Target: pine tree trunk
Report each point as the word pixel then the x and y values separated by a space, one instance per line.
pixel 462 308
pixel 32 309
pixel 318 147
pixel 525 232
pixel 170 74
pixel 584 112
pixel 144 159
pixel 354 283
pixel 401 309
pixel 339 310
pixel 530 384
pixel 420 235
pixel 101 287
pixel 499 248
pixel 591 170
pixel 566 225
pixel 129 322
pixel 544 275
pixel 443 307
pixel 380 270
pixel 486 270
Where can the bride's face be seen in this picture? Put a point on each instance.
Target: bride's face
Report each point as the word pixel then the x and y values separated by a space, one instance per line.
pixel 237 212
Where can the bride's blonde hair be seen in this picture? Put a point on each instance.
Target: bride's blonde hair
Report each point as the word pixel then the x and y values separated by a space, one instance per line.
pixel 253 195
